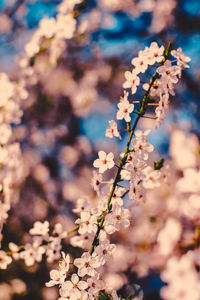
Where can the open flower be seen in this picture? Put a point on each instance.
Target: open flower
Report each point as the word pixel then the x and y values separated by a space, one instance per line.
pixel 125 108
pixel 181 58
pixel 40 228
pixel 87 264
pixel 57 277
pixel 4 260
pixel 132 81
pixel 104 162
pixel 112 130
pixel 75 286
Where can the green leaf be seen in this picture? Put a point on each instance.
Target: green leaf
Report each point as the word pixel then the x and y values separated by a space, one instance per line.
pixel 168 50
pixel 104 296
pixel 159 165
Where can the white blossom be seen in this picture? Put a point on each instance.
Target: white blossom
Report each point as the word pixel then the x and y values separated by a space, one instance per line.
pixel 87 264
pixel 132 81
pixel 75 286
pixel 104 162
pixel 140 144
pixel 87 223
pixel 181 58
pixel 57 277
pixel 4 260
pixel 112 130
pixel 125 108
pixel 40 228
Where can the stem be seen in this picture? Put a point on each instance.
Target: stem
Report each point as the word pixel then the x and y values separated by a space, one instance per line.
pixel 141 112
pixel 73 230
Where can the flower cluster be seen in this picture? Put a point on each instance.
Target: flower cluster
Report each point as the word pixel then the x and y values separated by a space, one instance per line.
pixel 96 224
pixel 166 76
pixel 42 243
pixel 48 42
pixel 11 96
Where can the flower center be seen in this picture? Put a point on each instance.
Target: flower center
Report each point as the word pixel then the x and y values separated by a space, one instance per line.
pixel 87 264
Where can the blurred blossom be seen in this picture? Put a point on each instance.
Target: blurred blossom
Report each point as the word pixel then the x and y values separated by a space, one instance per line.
pixel 41 173
pixel 18 286
pixel 69 155
pixel 5 24
pixel 184 149
pixel 5 291
pixel 115 281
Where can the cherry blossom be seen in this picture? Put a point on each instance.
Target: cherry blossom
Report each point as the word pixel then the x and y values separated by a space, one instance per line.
pixel 125 108
pixel 40 228
pixel 151 179
pixel 136 191
pixel 96 181
pixel 75 286
pixel 140 63
pixel 57 277
pixel 112 130
pixel 14 249
pixel 95 285
pixel 87 264
pixel 140 144
pixel 6 89
pixel 132 81
pixel 117 219
pixel 47 27
pixel 169 72
pixel 135 166
pixel 104 250
pixel 64 263
pixel 155 53
pixel 87 223
pixel 4 260
pixel 81 205
pixel 32 254
pixel 65 26
pixel 83 241
pixel 161 110
pixel 117 196
pixel 181 58
pixel 104 162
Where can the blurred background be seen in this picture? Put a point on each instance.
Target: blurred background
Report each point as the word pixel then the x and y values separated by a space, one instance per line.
pixel 68 108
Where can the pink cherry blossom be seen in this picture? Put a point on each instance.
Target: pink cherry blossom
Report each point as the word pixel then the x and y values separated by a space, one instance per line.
pixel 40 228
pixel 181 58
pixel 87 264
pixel 4 260
pixel 104 162
pixel 125 108
pixel 140 63
pixel 132 81
pixel 112 130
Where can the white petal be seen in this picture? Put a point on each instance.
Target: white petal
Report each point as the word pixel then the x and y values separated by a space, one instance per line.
pixel 82 285
pixel 102 155
pixel 128 75
pixel 74 279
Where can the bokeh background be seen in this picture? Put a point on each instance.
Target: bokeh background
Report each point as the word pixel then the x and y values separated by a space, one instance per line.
pixel 67 111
